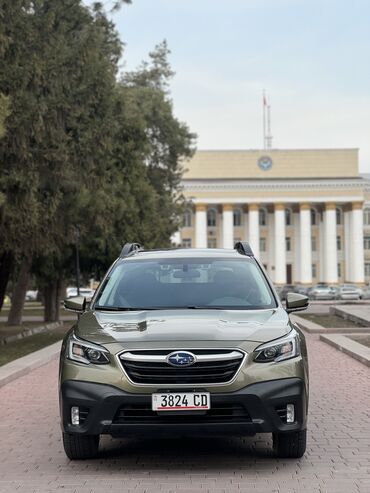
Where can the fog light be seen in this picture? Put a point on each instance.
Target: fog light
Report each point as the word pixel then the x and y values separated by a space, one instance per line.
pixel 75 415
pixel 290 413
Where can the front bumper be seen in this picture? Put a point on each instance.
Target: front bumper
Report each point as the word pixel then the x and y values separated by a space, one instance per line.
pixel 258 406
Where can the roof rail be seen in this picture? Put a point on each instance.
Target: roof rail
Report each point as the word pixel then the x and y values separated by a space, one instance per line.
pixel 129 248
pixel 244 248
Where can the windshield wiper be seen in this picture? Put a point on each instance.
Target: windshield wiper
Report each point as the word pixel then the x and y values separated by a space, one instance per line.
pixel 196 307
pixel 113 308
pixel 122 308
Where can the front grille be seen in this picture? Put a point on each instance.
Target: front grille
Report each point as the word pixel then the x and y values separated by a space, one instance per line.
pixel 211 366
pixel 219 413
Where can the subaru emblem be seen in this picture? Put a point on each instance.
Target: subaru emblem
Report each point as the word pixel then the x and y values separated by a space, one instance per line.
pixel 181 358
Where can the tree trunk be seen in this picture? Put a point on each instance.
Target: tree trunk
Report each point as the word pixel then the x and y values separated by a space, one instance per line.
pixel 59 295
pixel 19 293
pixel 49 298
pixel 53 294
pixel 6 267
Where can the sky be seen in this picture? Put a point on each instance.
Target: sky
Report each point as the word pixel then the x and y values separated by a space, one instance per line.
pixel 312 57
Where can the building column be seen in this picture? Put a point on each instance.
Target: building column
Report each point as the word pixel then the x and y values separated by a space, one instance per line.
pixel 200 226
pixel 305 244
pixel 254 229
pixel 280 254
pixel 297 248
pixel 227 226
pixel 357 243
pixel 347 246
pixel 330 239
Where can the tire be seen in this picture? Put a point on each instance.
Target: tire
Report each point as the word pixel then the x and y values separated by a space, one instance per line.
pixel 80 446
pixel 290 445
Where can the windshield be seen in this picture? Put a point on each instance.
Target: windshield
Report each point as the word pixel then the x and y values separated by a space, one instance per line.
pixel 186 283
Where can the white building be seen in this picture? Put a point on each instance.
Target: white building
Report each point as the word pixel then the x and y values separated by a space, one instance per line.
pixel 306 213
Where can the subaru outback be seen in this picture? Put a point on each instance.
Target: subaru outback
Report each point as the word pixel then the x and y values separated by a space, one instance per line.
pixel 184 342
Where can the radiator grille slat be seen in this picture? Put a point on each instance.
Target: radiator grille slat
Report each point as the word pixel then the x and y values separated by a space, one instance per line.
pixel 216 370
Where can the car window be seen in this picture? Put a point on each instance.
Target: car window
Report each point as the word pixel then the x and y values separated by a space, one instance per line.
pixel 183 283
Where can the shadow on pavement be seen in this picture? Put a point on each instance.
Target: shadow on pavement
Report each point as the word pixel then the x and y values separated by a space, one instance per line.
pixel 196 453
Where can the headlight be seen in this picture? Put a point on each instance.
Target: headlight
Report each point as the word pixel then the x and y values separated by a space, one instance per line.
pixel 86 352
pixel 279 350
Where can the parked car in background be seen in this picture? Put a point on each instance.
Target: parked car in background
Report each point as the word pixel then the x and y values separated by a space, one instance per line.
pixel 366 293
pixel 358 290
pixel 322 291
pixel 31 295
pixel 349 292
pixel 86 292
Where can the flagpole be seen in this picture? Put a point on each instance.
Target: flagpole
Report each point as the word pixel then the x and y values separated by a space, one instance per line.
pixel 264 118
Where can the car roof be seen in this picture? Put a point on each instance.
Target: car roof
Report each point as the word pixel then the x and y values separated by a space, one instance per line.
pixel 186 253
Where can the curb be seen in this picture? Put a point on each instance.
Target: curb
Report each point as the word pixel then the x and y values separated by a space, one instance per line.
pixel 354 349
pixel 343 313
pixel 21 366
pixel 314 328
pixel 30 332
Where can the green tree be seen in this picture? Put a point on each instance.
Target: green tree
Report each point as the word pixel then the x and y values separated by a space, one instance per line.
pixel 58 66
pixel 82 151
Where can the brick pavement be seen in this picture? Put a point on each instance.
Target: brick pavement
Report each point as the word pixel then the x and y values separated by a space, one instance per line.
pixel 337 460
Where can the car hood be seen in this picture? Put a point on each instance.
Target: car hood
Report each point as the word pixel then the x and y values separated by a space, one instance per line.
pixel 183 325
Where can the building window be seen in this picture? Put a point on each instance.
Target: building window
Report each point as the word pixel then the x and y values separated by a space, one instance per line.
pixel 211 217
pixel 288 217
pixel 366 242
pixel 313 217
pixel 212 243
pixel 367 269
pixel 186 243
pixel 262 244
pixel 313 243
pixel 339 216
pixel 367 216
pixel 339 269
pixel 237 215
pixel 187 219
pixel 288 244
pixel 339 243
pixel 313 270
pixel 262 217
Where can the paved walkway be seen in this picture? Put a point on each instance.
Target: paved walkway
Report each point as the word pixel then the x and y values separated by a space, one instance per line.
pixel 338 457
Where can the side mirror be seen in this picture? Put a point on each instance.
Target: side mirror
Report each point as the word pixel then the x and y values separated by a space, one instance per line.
pixel 75 304
pixel 296 302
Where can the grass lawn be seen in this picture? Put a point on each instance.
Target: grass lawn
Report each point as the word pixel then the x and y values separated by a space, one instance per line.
pixel 362 339
pixel 22 347
pixel 329 320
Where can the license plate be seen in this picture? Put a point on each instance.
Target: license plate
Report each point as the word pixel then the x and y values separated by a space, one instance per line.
pixel 181 401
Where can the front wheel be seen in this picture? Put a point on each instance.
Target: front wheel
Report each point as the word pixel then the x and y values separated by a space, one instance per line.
pixel 290 445
pixel 80 446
